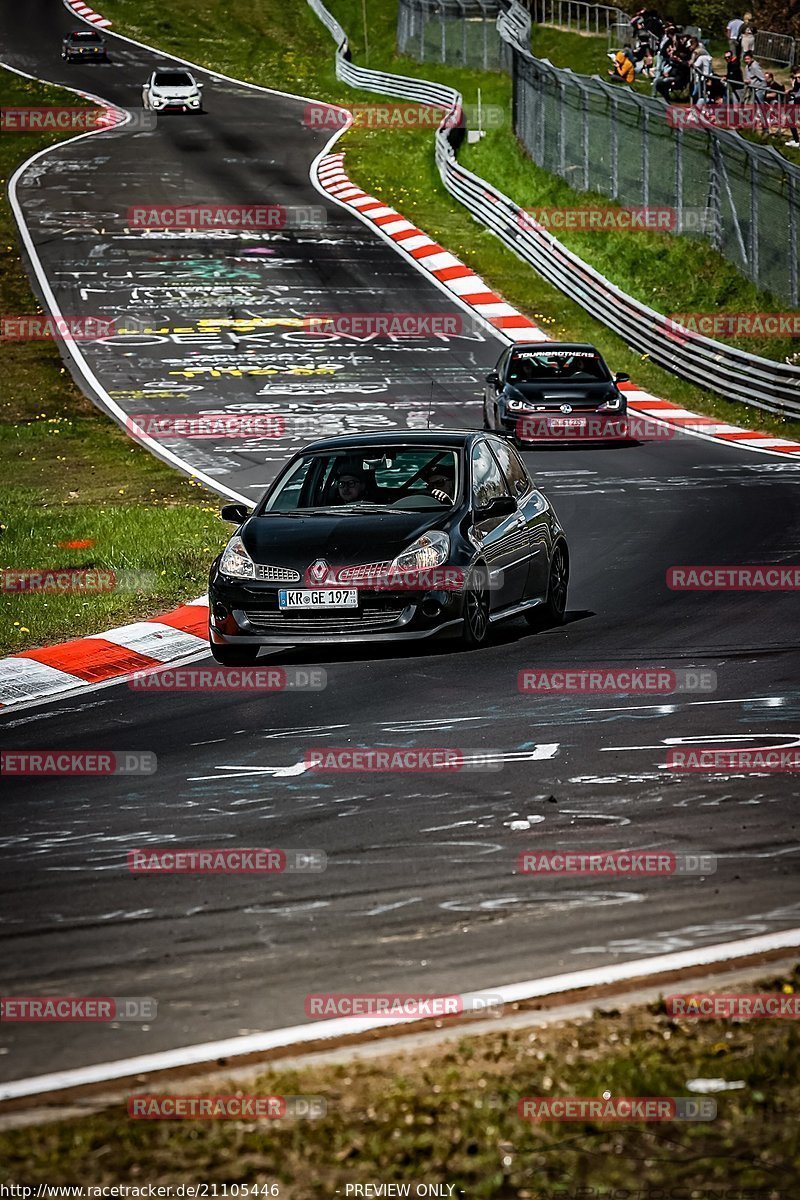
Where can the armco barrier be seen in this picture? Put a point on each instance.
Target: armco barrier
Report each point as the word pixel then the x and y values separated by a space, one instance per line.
pixel 735 374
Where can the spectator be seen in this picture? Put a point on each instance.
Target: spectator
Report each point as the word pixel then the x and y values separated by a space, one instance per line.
pixel 732 30
pixel 747 36
pixel 643 61
pixel 624 68
pixel 702 71
pixel 733 77
pixel 665 44
pixel 793 98
pixel 754 78
pixel 675 76
pixel 775 90
pixel 696 50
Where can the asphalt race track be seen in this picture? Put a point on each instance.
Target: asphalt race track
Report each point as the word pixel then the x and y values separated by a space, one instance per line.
pixel 420 892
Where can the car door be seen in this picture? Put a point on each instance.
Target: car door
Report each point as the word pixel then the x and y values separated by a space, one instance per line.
pixel 536 512
pixel 498 528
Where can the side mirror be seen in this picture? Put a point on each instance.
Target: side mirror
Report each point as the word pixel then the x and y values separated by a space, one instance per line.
pixel 498 506
pixel 621 377
pixel 200 87
pixel 493 377
pixel 234 512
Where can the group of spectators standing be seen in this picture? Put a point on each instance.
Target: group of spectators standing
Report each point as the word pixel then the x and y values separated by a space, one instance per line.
pixel 680 67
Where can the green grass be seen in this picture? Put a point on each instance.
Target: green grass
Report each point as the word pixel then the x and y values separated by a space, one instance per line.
pixel 398 167
pixel 449 1115
pixel 71 475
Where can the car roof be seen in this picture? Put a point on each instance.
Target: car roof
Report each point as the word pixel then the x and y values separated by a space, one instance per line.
pixel 547 346
pixel 455 438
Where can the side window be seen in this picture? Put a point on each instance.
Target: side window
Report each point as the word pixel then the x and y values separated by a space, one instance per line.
pixel 512 467
pixel 487 480
pixel 502 364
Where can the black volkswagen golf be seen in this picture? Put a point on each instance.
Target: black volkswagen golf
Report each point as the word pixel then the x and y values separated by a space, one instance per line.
pixel 388 537
pixel 555 391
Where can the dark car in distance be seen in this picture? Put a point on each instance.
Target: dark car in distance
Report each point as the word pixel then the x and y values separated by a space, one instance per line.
pixel 84 45
pixel 388 537
pixel 555 392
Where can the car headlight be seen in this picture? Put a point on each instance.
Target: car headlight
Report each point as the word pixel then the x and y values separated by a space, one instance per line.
pixel 236 561
pixel 430 550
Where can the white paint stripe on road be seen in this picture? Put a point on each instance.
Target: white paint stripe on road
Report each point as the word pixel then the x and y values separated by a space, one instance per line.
pixel 315 1031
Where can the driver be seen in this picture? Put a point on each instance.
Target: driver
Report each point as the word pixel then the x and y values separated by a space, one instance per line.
pixel 351 484
pixel 440 480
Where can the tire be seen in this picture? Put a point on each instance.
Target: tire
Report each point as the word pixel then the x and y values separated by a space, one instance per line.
pixel 555 606
pixel 234 656
pixel 476 609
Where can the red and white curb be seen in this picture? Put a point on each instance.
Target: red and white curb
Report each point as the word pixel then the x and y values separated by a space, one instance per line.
pixel 101 657
pixel 88 14
pixel 469 289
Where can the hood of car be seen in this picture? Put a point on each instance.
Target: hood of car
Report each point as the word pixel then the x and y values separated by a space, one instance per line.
pixel 346 539
pixel 185 92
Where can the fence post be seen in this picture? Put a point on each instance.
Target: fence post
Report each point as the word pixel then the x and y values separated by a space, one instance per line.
pixel 714 201
pixel 562 129
pixel 585 136
pixel 444 31
pixel 679 180
pixel 645 156
pixel 791 192
pixel 753 220
pixel 614 146
pixel 423 25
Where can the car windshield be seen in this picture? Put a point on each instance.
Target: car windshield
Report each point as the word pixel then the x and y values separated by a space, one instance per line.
pixel 557 366
pixel 369 479
pixel 173 79
pixel 86 37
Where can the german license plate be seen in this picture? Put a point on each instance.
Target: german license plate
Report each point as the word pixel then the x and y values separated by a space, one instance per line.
pixel 318 598
pixel 568 422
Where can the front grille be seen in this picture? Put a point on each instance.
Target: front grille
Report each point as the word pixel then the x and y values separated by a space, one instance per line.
pixel 369 617
pixel 276 574
pixel 363 573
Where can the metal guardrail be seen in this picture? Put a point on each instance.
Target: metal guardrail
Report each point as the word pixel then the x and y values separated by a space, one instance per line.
pixel 577 15
pixel 735 374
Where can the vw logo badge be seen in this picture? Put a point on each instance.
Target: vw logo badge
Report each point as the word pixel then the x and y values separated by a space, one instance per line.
pixel 565 408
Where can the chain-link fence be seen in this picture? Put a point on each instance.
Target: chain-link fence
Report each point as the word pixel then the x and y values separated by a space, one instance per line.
pixel 739 196
pixel 459 32
pixel 600 137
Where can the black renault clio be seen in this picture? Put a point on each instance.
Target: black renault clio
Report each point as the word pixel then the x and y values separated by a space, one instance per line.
pixel 388 537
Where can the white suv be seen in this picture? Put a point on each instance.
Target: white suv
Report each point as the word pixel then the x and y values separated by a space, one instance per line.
pixel 172 88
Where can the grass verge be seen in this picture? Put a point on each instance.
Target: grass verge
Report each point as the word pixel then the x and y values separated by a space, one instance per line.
pixel 72 477
pixel 448 1115
pixel 247 40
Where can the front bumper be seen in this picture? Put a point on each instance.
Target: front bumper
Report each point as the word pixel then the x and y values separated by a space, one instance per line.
pixel 242 615
pixel 531 428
